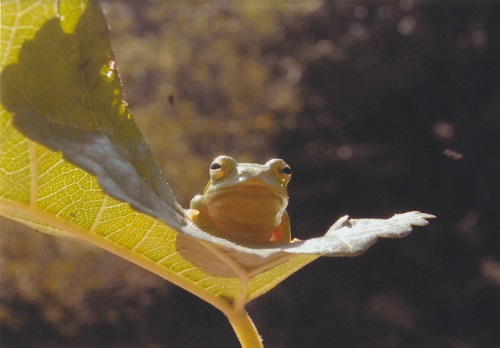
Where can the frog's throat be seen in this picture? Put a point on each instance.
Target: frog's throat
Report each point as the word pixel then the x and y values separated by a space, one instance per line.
pixel 246 214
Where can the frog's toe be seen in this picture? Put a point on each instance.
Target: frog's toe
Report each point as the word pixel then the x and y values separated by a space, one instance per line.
pixel 192 213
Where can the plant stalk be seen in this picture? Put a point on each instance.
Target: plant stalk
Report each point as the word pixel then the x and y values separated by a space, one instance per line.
pixel 245 329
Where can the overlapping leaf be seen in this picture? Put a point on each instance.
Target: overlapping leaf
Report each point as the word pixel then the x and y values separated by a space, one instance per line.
pixel 73 163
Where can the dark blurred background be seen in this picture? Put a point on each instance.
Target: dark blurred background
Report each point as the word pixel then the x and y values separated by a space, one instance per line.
pixel 380 107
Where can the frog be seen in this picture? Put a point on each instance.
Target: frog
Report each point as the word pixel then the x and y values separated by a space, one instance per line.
pixel 244 202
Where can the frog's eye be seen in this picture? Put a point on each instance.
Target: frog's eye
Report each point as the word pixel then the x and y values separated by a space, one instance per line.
pixel 215 166
pixel 220 167
pixel 282 170
pixel 217 171
pixel 286 170
pixel 284 173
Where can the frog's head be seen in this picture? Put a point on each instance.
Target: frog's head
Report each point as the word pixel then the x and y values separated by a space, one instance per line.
pixel 228 175
pixel 246 201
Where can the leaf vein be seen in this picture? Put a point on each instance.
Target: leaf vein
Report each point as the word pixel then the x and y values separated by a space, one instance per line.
pixel 100 213
pixel 34 172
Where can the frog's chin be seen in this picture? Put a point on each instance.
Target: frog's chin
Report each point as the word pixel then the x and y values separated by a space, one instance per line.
pixel 246 210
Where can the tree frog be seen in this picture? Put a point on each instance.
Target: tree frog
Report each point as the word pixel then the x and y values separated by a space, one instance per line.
pixel 244 202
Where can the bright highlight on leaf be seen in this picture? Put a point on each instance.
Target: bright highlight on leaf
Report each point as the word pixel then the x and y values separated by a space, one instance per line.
pixel 74 164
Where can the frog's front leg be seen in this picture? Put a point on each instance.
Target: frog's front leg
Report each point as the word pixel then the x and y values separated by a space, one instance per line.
pixel 198 214
pixel 283 233
pixel 197 211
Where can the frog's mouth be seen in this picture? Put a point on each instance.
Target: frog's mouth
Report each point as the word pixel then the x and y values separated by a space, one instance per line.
pixel 253 191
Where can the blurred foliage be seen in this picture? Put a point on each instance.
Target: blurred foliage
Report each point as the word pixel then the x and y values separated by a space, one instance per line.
pixel 378 106
pixel 203 80
pixel 49 286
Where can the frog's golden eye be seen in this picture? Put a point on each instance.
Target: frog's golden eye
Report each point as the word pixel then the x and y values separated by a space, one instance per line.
pixel 220 167
pixel 215 166
pixel 284 173
pixel 282 170
pixel 217 171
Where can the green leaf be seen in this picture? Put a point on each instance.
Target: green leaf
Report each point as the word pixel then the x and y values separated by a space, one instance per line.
pixel 74 164
pixel 81 112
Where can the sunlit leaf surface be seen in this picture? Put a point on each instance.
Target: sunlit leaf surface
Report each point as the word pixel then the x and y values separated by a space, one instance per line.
pixel 74 164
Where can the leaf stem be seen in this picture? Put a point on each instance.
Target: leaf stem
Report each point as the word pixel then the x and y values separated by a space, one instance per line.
pixel 245 329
